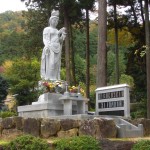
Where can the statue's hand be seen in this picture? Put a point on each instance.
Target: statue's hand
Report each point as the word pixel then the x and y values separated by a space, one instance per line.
pixel 62 31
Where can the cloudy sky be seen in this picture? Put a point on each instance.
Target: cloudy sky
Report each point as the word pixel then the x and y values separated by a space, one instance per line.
pixel 17 5
pixel 14 5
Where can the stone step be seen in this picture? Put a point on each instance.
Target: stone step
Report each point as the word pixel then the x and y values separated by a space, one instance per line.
pixel 127 130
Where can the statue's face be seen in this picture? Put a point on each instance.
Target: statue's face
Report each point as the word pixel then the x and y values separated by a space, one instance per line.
pixel 54 22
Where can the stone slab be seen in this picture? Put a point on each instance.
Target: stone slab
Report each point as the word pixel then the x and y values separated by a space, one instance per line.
pixel 42 106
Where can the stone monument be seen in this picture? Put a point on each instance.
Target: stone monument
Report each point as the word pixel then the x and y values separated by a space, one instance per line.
pixel 113 100
pixel 56 100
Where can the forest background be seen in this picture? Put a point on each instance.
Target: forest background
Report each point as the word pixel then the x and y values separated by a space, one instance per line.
pixel 21 47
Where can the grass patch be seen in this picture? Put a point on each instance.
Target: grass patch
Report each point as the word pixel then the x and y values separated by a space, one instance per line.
pixel 142 145
pixel 3 142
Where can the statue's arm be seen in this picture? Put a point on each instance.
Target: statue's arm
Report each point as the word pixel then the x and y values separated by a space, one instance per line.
pixel 46 41
pixel 62 34
pixel 45 37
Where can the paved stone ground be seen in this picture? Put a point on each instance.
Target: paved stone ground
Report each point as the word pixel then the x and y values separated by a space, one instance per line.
pixel 116 145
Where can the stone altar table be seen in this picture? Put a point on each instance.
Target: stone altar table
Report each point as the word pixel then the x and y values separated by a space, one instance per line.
pixel 68 104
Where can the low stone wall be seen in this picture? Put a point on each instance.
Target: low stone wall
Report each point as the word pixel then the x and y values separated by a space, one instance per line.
pixel 45 128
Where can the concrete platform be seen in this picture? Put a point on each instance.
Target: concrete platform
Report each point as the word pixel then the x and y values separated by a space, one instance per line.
pixel 53 104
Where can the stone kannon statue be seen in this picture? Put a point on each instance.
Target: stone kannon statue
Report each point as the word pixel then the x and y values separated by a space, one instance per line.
pixel 51 55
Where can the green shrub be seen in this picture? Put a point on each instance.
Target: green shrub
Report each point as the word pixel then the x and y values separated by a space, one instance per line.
pixel 142 145
pixel 78 143
pixel 5 114
pixel 139 110
pixel 27 142
pixel 127 79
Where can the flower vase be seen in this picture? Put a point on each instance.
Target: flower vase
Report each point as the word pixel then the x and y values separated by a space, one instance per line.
pixel 73 95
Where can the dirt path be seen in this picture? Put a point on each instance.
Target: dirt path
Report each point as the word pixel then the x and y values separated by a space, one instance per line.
pixel 116 145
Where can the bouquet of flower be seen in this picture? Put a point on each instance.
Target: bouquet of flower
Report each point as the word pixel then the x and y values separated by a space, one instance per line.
pixel 74 89
pixel 59 87
pixel 52 86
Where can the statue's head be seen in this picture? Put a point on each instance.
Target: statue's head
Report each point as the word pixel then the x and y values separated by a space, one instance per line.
pixel 54 14
pixel 53 20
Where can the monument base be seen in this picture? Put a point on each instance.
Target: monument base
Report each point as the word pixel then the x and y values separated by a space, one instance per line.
pixel 43 110
pixel 53 104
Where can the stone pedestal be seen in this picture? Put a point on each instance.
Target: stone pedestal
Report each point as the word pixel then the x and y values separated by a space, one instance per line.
pixel 43 110
pixel 53 104
pixel 52 98
pixel 47 105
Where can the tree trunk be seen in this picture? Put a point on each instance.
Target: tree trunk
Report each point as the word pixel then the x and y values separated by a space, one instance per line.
pixel 87 56
pixel 72 57
pixel 116 45
pixel 147 33
pixel 67 48
pixel 101 77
